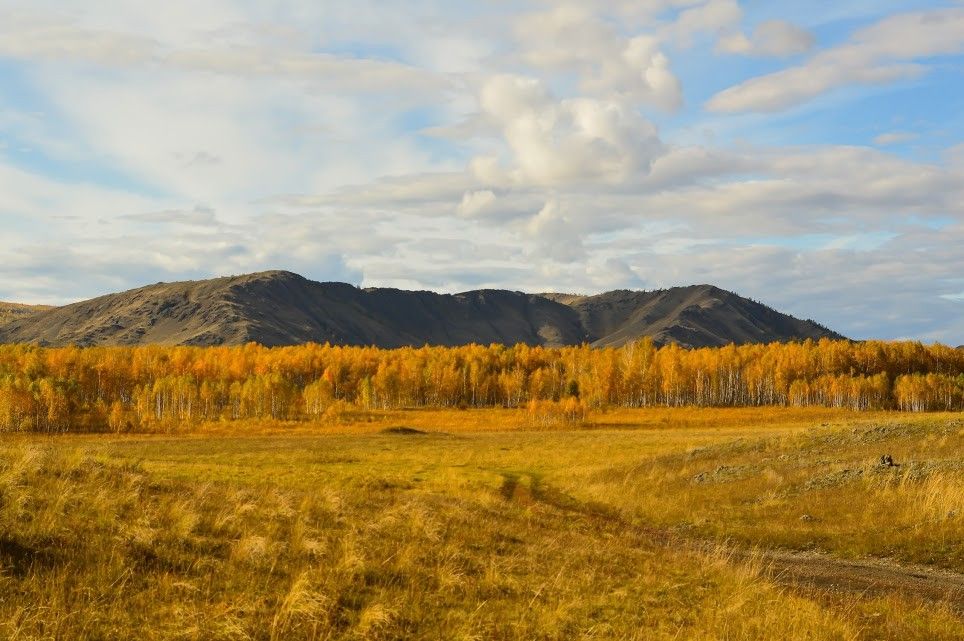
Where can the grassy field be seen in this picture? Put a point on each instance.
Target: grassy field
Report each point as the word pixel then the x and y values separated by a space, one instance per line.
pixel 655 524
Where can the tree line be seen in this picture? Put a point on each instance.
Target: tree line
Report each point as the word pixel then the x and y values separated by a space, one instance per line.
pixel 152 387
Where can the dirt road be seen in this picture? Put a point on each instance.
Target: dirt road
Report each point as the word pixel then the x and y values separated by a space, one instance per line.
pixel 826 573
pixel 811 572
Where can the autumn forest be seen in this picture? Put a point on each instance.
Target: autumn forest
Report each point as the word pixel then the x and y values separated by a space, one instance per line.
pixel 162 388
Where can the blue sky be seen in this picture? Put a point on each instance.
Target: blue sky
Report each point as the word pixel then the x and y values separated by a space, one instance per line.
pixel 811 159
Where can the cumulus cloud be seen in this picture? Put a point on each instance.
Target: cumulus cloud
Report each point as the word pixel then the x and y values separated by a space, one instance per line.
pixel 574 37
pixel 882 53
pixel 777 38
pixel 572 141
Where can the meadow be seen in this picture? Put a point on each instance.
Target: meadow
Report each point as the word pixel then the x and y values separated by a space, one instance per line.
pixel 657 523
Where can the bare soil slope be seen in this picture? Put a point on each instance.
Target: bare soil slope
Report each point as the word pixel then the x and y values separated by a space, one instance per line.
pixel 879 577
pixel 281 308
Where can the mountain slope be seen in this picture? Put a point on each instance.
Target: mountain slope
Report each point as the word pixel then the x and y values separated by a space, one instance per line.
pixel 14 311
pixel 281 308
pixel 701 315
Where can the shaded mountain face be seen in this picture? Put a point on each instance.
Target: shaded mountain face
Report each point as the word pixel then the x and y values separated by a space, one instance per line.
pixel 698 316
pixel 281 308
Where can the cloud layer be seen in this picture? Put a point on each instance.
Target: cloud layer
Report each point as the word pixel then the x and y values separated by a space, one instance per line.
pixel 884 52
pixel 538 145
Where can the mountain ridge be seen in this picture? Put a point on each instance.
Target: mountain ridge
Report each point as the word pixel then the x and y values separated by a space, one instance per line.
pixel 284 308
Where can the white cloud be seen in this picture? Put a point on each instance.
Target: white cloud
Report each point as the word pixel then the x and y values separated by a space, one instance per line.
pixel 788 88
pixel 715 17
pixel 683 166
pixel 34 36
pixel 37 200
pixel 894 138
pixel 643 65
pixel 574 141
pixel 559 236
pixel 879 54
pixel 576 38
pixel 777 38
pixel 954 157
pixel 199 216
pixel 638 12
pixel 475 202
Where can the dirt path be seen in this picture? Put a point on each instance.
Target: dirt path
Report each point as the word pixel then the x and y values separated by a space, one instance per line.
pixel 809 572
pixel 877 577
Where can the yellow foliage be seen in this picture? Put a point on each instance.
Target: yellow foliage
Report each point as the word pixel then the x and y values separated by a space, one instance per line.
pixel 568 412
pixel 167 388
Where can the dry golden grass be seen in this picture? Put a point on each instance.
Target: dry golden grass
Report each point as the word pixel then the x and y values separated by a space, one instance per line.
pixel 11 311
pixel 822 489
pixel 351 420
pixel 468 532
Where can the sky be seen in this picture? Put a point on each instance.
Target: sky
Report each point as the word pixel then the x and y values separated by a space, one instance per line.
pixel 806 154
